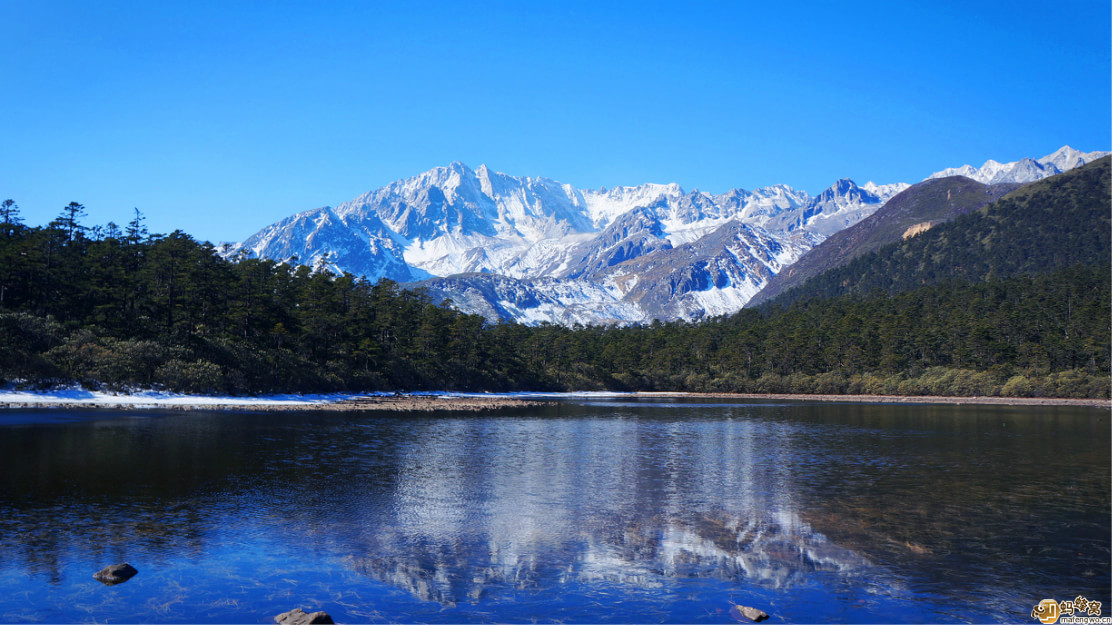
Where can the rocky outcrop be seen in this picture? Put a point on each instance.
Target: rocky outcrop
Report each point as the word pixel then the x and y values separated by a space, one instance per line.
pixel 297 616
pixel 917 229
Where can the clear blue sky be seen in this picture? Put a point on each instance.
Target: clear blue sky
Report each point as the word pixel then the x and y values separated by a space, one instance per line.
pixel 221 117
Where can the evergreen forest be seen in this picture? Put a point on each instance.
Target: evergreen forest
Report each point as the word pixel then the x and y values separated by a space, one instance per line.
pixel 1010 300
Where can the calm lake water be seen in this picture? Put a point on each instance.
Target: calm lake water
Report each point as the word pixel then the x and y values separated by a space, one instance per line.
pixel 587 511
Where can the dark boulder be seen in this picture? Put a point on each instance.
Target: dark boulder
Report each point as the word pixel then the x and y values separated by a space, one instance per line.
pixel 115 574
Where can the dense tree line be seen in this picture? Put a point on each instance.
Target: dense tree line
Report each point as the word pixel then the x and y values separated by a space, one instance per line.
pixel 123 307
pixel 126 307
pixel 1046 334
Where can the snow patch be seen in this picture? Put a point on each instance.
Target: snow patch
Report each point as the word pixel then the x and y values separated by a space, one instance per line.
pixel 156 399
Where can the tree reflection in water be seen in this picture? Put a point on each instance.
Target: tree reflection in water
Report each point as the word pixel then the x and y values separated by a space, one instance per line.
pixel 905 512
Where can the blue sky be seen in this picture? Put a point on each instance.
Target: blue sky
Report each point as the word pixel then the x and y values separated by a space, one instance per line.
pixel 221 117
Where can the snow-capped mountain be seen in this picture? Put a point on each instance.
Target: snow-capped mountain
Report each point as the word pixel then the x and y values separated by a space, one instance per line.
pixel 713 275
pixel 537 300
pixel 1024 170
pixel 320 237
pixel 836 208
pixel 535 250
pixel 566 255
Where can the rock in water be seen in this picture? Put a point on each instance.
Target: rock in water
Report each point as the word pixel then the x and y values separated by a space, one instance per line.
pixel 297 616
pixel 115 574
pixel 745 612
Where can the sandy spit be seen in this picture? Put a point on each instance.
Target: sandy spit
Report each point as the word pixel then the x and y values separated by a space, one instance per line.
pixel 902 399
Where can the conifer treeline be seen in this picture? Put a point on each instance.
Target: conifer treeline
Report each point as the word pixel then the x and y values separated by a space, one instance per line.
pixel 1029 335
pixel 123 307
pixel 131 308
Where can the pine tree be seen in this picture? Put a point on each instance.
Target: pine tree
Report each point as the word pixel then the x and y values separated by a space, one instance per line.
pixel 9 217
pixel 68 220
pixel 136 230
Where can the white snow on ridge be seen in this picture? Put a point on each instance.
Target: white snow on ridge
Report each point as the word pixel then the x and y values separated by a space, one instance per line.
pixel 679 232
pixel 766 202
pixel 885 191
pixel 604 206
pixel 1024 170
pixel 715 302
pixel 569 302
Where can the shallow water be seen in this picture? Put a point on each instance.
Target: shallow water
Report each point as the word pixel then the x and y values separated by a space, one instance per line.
pixel 594 510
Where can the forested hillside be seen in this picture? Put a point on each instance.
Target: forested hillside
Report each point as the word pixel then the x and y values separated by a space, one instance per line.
pixel 129 308
pixel 1057 222
pixel 1011 300
pixel 920 206
pixel 1040 335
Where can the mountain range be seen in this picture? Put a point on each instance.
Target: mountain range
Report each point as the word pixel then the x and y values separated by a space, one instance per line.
pixel 534 250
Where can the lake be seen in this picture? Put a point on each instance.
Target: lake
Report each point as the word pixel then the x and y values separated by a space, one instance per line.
pixel 591 510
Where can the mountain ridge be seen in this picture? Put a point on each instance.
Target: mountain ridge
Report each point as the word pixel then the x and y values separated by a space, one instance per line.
pixel 915 210
pixel 453 220
pixel 1056 222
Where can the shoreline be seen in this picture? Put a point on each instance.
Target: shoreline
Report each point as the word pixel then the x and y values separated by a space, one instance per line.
pixel 347 403
pixel 470 402
pixel 902 399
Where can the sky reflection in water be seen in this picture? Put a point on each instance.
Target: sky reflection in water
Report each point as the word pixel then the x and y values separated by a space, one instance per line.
pixel 587 512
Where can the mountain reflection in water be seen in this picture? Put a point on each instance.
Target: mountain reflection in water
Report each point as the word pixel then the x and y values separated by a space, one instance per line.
pixel 527 505
pixel 765 551
pixel 583 512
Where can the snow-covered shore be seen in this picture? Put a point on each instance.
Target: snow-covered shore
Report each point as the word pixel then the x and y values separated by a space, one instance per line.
pixel 83 398
pixel 79 397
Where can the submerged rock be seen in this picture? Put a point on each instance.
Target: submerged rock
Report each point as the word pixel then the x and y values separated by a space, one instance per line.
pixel 741 612
pixel 297 616
pixel 115 574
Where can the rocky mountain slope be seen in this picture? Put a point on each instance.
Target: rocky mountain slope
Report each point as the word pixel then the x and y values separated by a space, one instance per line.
pixel 1059 222
pixel 535 250
pixel 910 213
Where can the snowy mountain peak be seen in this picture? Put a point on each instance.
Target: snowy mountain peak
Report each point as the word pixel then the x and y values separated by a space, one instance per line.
pixel 885 191
pixel 604 206
pixel 643 193
pixel 842 187
pixel 778 190
pixel 1066 158
pixel 484 180
pixel 1024 170
pixel 446 178
pixel 549 251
